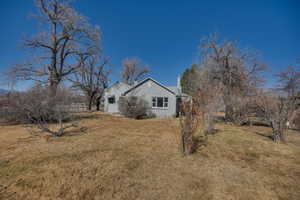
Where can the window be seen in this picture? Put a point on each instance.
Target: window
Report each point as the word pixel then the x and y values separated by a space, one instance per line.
pixel 111 100
pixel 166 102
pixel 153 101
pixel 160 102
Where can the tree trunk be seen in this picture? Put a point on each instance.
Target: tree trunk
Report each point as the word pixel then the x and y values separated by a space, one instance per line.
pixel 208 123
pixel 90 99
pixel 278 131
pixel 90 102
pixel 53 88
pixel 229 113
pixel 98 102
pixel 54 82
pixel 229 110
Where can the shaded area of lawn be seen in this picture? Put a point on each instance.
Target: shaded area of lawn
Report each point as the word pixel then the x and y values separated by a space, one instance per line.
pixel 118 158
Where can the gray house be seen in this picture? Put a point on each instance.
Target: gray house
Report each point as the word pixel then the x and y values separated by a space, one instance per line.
pixel 112 95
pixel 163 100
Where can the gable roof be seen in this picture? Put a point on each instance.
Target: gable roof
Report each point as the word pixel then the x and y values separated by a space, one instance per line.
pixel 118 84
pixel 149 79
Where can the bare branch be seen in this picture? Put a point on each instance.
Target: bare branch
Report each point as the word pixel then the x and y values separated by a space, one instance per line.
pixel 92 78
pixel 133 70
pixel 65 33
pixel 236 69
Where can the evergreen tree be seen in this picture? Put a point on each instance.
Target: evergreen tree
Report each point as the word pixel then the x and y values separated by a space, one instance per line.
pixel 189 80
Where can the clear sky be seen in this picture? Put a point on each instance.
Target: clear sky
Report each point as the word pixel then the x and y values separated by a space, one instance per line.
pixel 165 34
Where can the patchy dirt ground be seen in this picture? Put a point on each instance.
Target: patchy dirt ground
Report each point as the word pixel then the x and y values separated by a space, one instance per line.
pixel 118 158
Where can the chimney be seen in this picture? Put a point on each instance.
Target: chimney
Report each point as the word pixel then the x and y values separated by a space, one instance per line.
pixel 179 84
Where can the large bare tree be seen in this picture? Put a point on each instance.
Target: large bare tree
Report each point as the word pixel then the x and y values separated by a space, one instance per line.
pixel 64 35
pixel 237 70
pixel 133 70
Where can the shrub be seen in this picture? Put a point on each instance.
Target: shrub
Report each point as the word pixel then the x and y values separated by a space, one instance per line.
pixel 134 107
pixel 190 123
pixel 36 107
pixel 197 118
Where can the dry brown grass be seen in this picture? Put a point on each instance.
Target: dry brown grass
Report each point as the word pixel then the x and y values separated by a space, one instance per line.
pixel 118 158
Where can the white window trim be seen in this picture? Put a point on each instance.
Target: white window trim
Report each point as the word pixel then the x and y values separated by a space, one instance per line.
pixel 161 108
pixel 111 96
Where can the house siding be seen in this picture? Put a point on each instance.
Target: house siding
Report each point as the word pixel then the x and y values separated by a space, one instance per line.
pixel 115 90
pixel 151 89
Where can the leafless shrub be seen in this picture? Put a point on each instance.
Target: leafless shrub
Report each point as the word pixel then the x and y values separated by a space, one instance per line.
pixel 197 117
pixel 190 122
pixel 39 109
pixel 8 112
pixel 134 107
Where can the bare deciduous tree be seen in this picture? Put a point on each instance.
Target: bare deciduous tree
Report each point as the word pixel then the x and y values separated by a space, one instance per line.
pixel 237 70
pixel 276 111
pixel 64 35
pixel 92 78
pixel 133 70
pixel 279 108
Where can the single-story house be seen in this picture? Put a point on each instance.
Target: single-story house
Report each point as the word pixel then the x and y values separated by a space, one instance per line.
pixel 164 100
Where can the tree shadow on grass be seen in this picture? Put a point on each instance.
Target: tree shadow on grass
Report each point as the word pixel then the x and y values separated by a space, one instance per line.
pixel 264 135
pixel 214 132
pixel 219 118
pixel 199 142
pixel 88 116
pixel 77 132
pixel 257 123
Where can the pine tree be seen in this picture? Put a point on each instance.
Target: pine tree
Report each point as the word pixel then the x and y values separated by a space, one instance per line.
pixel 189 80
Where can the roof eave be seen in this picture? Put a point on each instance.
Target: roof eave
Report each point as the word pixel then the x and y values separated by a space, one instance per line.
pixel 145 80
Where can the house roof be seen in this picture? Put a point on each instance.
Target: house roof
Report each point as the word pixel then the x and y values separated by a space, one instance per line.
pixel 171 90
pixel 118 84
pixel 175 89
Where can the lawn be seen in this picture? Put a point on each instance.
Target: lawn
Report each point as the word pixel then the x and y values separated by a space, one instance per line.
pixel 118 158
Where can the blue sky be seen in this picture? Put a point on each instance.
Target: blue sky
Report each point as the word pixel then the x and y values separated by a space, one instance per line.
pixel 166 34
